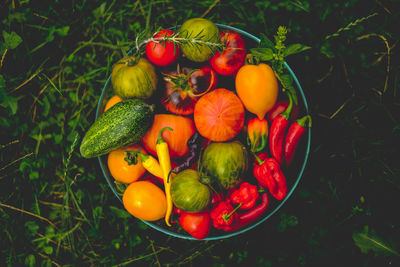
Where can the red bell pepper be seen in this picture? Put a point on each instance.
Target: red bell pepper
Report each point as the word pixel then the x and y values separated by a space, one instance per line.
pixel 223 215
pixel 278 130
pixel 251 215
pixel 245 196
pixel 268 173
pixel 293 136
pixel 257 134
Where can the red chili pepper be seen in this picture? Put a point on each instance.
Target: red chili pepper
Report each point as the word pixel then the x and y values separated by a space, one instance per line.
pixel 293 136
pixel 223 215
pixel 280 107
pixel 245 196
pixel 278 130
pixel 268 173
pixel 251 215
pixel 257 134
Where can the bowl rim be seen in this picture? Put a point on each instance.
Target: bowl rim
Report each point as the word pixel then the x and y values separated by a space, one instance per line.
pixel 290 192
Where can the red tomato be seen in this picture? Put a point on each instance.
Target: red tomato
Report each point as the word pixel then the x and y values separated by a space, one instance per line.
pixel 184 87
pixel 197 224
pixel 232 58
pixel 162 53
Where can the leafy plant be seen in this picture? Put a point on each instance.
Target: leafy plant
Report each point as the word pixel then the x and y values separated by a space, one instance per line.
pixel 275 53
pixel 367 240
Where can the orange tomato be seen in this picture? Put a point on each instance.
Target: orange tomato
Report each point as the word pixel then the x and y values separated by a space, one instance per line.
pixel 183 129
pixel 145 201
pixel 120 169
pixel 112 101
pixel 257 87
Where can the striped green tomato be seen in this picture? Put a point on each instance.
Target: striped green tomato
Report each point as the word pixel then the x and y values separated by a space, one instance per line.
pixel 134 79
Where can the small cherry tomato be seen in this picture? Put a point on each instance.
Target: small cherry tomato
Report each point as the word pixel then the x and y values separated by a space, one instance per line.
pixel 162 53
pixel 145 201
pixel 197 224
pixel 232 58
pixel 184 87
pixel 112 101
pixel 122 168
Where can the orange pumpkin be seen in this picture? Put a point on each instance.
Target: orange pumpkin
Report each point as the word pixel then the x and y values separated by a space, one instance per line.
pixel 219 115
pixel 183 129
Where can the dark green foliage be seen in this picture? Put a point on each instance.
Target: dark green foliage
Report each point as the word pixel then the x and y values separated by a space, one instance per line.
pixel 55 206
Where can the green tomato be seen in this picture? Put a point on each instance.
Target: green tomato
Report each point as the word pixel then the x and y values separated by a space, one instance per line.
pixel 131 79
pixel 203 30
pixel 188 193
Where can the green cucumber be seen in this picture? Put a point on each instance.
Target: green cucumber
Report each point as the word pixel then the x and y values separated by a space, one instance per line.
pixel 124 123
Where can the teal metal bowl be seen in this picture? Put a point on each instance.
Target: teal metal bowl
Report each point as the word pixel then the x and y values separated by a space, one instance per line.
pixel 293 176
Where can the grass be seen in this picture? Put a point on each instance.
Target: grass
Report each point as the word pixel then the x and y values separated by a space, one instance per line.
pixel 55 207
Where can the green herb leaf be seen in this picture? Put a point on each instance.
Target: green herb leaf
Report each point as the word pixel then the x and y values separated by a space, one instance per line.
pixel 367 240
pixel 264 54
pixel 286 81
pixel 295 49
pixel 12 40
pixel 265 42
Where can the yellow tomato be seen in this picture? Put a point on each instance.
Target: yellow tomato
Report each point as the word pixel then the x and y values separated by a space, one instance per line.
pixel 112 101
pixel 120 169
pixel 145 201
pixel 257 87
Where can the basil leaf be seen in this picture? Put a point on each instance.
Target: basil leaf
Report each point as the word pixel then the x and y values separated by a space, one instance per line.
pixel 294 49
pixel 286 80
pixel 266 42
pixel 264 54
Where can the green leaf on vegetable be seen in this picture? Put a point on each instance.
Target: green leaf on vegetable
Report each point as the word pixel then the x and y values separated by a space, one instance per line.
pixel 265 42
pixel 286 80
pixel 295 49
pixel 367 240
pixel 12 40
pixel 264 54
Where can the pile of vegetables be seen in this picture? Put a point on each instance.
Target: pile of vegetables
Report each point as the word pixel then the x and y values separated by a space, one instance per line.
pixel 200 129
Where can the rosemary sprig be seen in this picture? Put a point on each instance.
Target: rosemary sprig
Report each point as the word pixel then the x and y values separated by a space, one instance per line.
pixel 177 39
